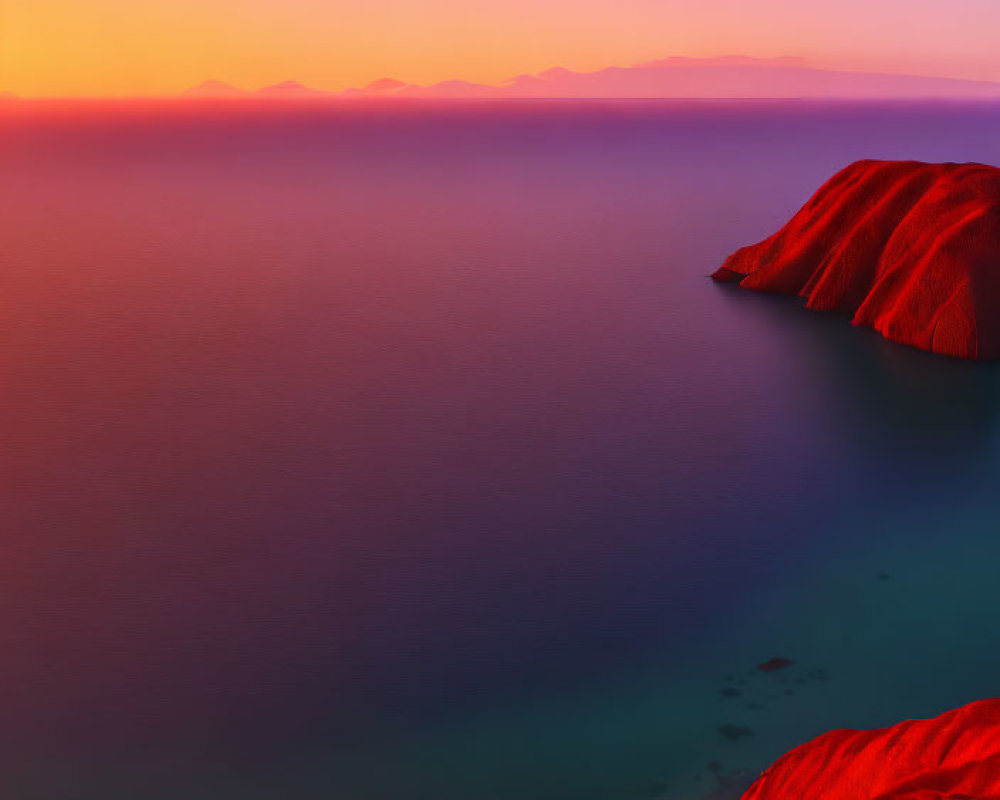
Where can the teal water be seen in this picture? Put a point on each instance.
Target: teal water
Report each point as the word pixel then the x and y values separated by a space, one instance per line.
pixel 408 452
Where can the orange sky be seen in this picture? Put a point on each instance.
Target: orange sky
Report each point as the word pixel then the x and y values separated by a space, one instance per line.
pixel 116 47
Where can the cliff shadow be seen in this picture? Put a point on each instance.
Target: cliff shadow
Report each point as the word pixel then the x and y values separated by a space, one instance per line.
pixel 887 396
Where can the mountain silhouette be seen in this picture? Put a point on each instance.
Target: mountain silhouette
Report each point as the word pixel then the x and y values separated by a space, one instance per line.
pixel 290 89
pixel 384 86
pixel 213 88
pixel 723 77
pixel 739 77
pixel 736 76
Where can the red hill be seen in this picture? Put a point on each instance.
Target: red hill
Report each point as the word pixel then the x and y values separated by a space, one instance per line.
pixel 953 757
pixel 909 249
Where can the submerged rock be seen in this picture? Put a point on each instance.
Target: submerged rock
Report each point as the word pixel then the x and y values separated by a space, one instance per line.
pixel 774 664
pixel 734 732
pixel 907 248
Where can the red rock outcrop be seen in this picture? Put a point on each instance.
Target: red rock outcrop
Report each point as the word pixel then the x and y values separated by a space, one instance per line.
pixel 909 249
pixel 952 757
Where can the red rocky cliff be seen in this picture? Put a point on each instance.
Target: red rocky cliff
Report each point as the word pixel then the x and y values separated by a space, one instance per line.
pixel 953 757
pixel 909 249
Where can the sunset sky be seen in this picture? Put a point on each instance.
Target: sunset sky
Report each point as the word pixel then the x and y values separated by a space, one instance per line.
pixel 120 47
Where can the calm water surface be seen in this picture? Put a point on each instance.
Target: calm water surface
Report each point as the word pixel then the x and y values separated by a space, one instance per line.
pixel 406 453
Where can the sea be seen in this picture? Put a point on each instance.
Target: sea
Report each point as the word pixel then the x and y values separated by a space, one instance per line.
pixel 406 451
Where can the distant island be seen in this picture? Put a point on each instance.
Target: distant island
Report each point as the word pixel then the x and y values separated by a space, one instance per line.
pixel 680 78
pixel 909 249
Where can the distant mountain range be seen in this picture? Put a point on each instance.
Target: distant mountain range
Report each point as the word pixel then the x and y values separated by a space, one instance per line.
pixel 291 89
pixel 726 77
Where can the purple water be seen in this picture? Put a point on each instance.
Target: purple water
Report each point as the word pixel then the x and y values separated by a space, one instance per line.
pixel 377 452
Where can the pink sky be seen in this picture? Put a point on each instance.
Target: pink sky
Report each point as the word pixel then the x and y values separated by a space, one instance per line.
pixel 114 47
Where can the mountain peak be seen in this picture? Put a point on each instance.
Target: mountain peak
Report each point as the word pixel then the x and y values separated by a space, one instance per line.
pixel 555 73
pixel 384 85
pixel 214 88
